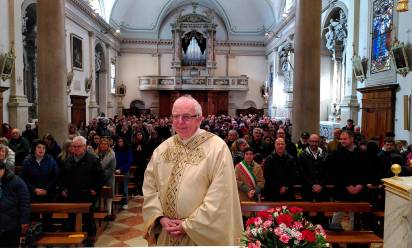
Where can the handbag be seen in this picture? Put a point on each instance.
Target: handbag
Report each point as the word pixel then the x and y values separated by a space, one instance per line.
pixel 33 234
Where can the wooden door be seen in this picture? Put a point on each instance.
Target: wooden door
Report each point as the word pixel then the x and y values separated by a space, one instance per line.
pixel 78 109
pixel 212 102
pixel 378 110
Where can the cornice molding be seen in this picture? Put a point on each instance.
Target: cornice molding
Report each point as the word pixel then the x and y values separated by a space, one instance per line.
pixel 241 43
pixel 147 41
pixel 170 42
pixel 91 29
pixel 86 9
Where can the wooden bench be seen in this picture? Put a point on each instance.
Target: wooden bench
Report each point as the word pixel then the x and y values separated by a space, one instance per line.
pixel 359 237
pixel 63 238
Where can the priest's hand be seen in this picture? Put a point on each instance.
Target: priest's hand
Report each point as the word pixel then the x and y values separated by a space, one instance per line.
pixel 316 188
pixel 283 189
pixel 173 227
pixel 251 194
pixel 178 232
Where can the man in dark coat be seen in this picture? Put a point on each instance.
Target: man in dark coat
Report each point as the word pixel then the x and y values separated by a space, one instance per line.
pixel 279 173
pixel 81 179
pixel 290 146
pixel 313 168
pixel 14 207
pixel 256 142
pixel 388 156
pixel 19 145
pixel 349 172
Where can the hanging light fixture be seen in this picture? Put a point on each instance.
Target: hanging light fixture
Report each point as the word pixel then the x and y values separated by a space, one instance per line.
pixel 402 5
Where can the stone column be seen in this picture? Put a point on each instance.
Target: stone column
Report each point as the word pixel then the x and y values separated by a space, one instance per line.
pixel 177 54
pixel 93 107
pixel 107 104
pixel 18 104
pixel 52 68
pixel 306 88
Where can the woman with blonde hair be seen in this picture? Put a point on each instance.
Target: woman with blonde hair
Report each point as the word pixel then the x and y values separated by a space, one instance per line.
pixel 107 160
pixel 237 150
pixel 67 150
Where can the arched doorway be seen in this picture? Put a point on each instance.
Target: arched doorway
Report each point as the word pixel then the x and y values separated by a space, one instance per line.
pixel 137 108
pixel 29 57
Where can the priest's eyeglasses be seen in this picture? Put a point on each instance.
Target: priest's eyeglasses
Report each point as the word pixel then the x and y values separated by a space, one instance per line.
pixel 183 117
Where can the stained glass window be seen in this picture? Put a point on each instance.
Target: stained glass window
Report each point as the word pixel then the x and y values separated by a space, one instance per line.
pixel 382 23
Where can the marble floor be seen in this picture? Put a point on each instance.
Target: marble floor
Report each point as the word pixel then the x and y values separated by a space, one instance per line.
pixel 126 230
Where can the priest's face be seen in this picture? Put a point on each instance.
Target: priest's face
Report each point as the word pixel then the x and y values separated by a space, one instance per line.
pixel 184 117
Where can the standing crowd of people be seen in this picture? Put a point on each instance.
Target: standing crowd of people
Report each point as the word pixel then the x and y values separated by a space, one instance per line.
pixel 267 164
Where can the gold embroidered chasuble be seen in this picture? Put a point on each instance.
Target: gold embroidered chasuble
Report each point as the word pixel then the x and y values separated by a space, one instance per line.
pixel 194 182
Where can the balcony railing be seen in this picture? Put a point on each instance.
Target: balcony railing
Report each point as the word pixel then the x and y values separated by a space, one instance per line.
pixel 238 83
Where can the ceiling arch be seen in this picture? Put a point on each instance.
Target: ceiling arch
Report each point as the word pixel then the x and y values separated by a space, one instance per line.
pixel 241 17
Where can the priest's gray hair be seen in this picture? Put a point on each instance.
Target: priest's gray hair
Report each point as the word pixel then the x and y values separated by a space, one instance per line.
pixel 80 139
pixel 187 97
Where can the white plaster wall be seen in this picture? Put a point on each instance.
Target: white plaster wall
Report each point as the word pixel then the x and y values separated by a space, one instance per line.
pixel 165 64
pixel 221 62
pixel 79 77
pixel 77 87
pixel 404 27
pixel 131 67
pixel 4 48
pixel 361 47
pixel 405 88
pixel 326 71
pixel 255 68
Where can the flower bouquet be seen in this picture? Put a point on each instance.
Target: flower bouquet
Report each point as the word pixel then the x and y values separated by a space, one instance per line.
pixel 282 227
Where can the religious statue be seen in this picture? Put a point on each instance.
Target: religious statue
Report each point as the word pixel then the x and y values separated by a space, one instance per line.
pixel 337 32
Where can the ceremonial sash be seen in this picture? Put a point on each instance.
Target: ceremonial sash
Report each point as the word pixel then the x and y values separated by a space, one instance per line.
pixel 248 173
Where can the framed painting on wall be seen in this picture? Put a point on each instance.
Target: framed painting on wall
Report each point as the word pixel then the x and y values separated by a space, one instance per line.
pixel 76 45
pixel 400 58
pixel 6 66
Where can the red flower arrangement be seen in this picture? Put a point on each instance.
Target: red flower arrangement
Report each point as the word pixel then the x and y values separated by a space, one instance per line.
pixel 283 227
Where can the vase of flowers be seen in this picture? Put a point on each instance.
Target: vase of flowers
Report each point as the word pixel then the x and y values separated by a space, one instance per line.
pixel 282 227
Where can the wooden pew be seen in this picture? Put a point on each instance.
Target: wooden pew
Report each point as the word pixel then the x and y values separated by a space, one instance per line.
pixel 63 239
pixel 359 237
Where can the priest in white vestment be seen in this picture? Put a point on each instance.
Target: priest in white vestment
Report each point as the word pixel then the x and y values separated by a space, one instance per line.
pixel 190 191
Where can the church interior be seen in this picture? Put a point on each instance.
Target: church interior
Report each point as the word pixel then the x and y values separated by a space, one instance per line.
pixel 312 64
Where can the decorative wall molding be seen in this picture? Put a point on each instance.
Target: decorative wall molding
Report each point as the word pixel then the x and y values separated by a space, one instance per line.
pixel 147 41
pixel 86 9
pixel 241 43
pixel 170 42
pixel 238 83
pixel 92 27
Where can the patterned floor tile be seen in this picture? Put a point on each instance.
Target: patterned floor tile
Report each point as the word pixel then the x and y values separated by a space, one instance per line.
pixel 105 240
pixel 140 241
pixel 126 234
pixel 132 221
pixel 127 229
